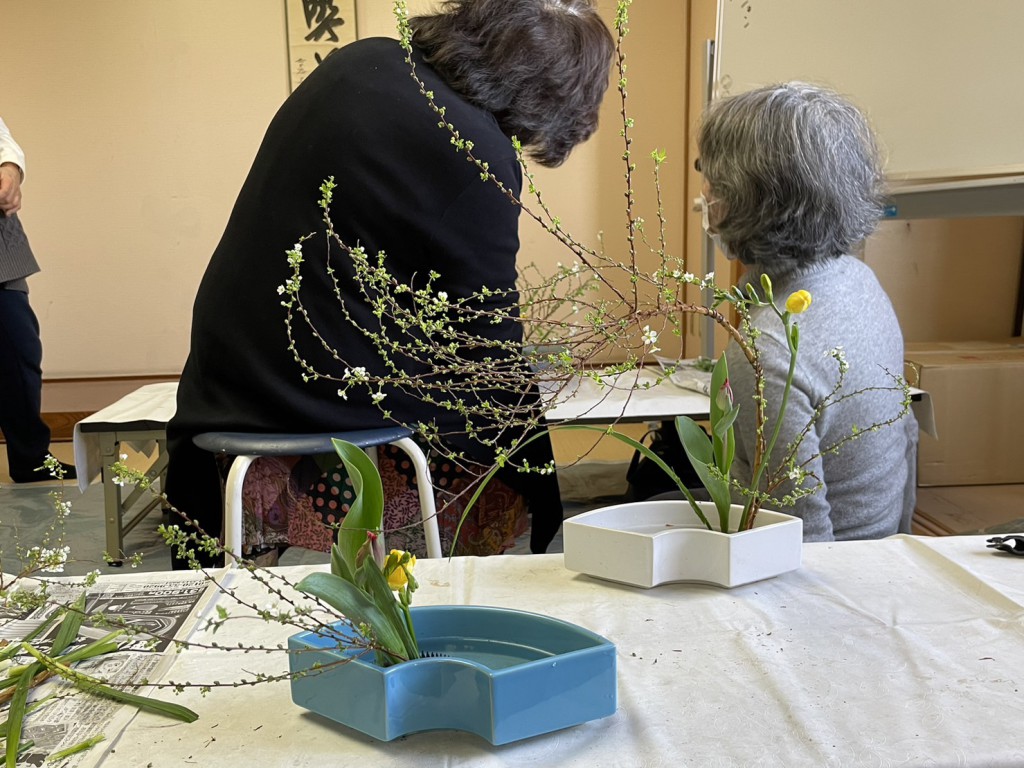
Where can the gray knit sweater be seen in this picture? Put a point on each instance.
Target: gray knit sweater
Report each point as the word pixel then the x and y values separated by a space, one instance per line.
pixel 868 487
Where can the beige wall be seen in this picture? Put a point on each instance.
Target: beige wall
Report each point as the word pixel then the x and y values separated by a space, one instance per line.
pixel 951 279
pixel 140 119
pixel 587 192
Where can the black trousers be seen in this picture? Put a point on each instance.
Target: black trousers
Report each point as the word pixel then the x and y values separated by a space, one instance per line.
pixel 21 384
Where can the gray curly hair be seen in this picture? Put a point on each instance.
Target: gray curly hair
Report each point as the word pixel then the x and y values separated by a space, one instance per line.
pixel 794 173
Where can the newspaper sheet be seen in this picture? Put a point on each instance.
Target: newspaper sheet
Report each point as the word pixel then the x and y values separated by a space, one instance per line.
pixel 688 374
pixel 166 607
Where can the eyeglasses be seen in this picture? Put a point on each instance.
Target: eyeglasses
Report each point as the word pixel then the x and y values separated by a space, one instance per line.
pixel 696 165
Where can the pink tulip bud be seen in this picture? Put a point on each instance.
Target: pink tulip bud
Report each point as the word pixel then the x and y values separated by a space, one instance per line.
pixel 724 398
pixel 376 547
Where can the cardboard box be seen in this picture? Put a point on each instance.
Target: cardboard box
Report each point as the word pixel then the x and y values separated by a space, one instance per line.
pixel 998 345
pixel 976 391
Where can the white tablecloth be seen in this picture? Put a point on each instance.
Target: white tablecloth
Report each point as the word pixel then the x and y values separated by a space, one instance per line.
pixel 630 397
pixel 901 652
pixel 639 396
pixel 633 396
pixel 150 407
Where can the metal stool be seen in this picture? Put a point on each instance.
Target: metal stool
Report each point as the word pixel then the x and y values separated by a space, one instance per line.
pixel 246 447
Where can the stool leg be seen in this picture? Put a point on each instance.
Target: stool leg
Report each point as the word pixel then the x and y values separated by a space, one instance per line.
pixel 233 507
pixel 371 452
pixel 426 490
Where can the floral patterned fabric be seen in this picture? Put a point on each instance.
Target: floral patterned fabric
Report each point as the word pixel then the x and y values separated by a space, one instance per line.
pixel 299 501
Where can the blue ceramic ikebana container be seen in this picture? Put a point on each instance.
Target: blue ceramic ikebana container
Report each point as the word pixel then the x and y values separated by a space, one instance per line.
pixel 502 674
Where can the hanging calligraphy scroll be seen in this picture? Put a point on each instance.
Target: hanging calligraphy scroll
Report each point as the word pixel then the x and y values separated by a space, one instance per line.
pixel 315 28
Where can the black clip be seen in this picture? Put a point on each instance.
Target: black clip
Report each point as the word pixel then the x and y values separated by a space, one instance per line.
pixel 1012 544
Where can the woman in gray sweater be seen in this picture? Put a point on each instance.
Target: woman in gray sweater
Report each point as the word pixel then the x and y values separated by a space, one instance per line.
pixel 792 183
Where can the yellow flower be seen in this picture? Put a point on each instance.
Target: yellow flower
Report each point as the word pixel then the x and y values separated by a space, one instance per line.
pixel 399 576
pixel 798 302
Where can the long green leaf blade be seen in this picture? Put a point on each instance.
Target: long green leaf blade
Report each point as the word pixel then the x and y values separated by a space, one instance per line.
pixel 89 684
pixel 11 649
pixel 82 746
pixel 384 598
pixel 69 626
pixel 338 565
pixel 719 380
pixel 366 513
pixel 16 716
pixel 646 452
pixel 699 451
pixel 355 605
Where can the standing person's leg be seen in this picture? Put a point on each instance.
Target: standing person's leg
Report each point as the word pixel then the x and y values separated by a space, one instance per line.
pixel 21 386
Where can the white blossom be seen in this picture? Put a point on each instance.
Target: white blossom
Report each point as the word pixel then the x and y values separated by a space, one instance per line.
pixel 50 560
pixel 839 354
pixel 358 373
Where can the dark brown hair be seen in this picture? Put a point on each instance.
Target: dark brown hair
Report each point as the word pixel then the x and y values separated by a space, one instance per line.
pixel 539 66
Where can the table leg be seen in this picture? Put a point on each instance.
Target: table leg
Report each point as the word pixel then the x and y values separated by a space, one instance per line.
pixel 161 446
pixel 111 498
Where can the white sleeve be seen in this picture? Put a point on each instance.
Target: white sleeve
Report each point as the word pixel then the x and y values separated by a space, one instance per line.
pixel 10 152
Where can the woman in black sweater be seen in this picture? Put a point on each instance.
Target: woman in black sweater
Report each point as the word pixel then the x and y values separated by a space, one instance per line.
pixel 534 69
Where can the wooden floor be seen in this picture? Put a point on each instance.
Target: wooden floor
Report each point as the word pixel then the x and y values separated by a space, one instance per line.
pixel 946 510
pixel 63 450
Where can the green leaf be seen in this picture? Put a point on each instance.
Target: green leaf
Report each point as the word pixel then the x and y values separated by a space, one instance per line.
pixel 12 649
pixel 82 746
pixel 723 430
pixel 724 424
pixel 647 453
pixel 701 454
pixel 355 605
pixel 66 634
pixel 339 567
pixel 366 513
pixel 29 708
pixel 91 685
pixel 384 598
pixel 69 626
pixel 719 380
pixel 106 644
pixel 695 440
pixel 16 715
pixel 481 486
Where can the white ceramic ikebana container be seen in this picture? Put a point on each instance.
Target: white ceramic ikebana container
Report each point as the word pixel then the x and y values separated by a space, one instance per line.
pixel 647 543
